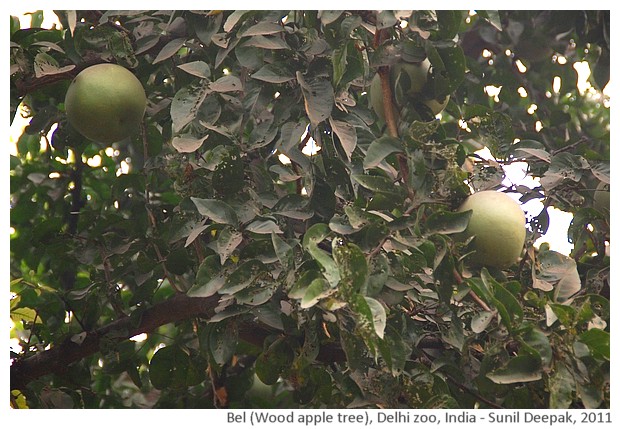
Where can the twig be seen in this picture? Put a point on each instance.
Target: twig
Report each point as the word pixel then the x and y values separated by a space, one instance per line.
pixel 162 260
pixel 570 146
pixel 150 215
pixel 34 320
pixel 474 296
pixel 67 277
pixel 378 248
pixel 14 404
pixel 112 292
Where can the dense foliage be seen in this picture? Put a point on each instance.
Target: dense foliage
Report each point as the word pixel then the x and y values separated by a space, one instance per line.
pixel 329 278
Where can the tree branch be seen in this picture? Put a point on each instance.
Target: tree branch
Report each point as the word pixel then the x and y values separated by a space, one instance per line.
pixel 178 308
pixel 388 106
pixel 57 359
pixel 474 296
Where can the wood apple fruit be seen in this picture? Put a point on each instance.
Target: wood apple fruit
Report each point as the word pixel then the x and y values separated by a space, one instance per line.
pixel 601 198
pixel 105 103
pixel 417 77
pixel 498 225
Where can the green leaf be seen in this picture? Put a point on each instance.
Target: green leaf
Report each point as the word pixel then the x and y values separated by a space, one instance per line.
pixel 386 19
pixel 313 236
pixel 561 271
pixel 262 28
pixel 352 266
pixel 283 250
pixel 566 314
pixel 453 334
pixel 492 17
pixel 379 271
pixel 561 387
pixel 227 241
pixel 380 149
pixel 317 289
pixel 185 105
pixel 441 402
pixel 349 24
pixel 510 303
pixel 564 167
pixel 171 48
pixel 329 16
pixel 223 340
pixel 36 18
pixel 293 206
pixel 346 135
pixel 400 351
pixel 229 83
pixel 480 321
pixel 449 23
pixel 187 143
pixel 267 42
pixel 45 65
pixel 196 68
pixel 353 348
pixel 229 312
pixel 318 98
pixel 448 69
pixel 243 276
pixel 480 288
pixel 233 19
pixel 538 345
pixel 209 278
pixel 442 222
pixel 364 318
pixel 205 26
pixel 263 226
pixel 258 293
pixel 520 369
pixel 171 367
pixel 379 316
pixel 250 58
pixel 379 184
pixel 217 210
pixel 339 63
pixel 273 73
pixel 15 24
pixel 274 361
pixel 498 297
pixel 598 341
pixel 359 218
pixel 298 290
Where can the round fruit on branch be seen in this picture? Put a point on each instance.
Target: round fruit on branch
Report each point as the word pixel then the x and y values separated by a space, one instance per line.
pixel 497 224
pixel 408 81
pixel 105 103
pixel 601 198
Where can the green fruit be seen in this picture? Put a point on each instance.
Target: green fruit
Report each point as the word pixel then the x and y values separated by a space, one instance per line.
pixel 260 394
pixel 498 226
pixel 437 106
pixel 601 198
pixel 105 103
pixel 417 77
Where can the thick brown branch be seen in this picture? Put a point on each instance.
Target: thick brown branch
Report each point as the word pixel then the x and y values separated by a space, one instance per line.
pixel 57 359
pixel 180 307
pixel 388 106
